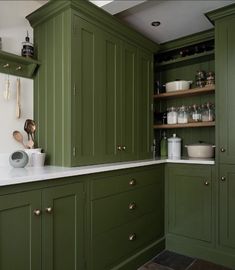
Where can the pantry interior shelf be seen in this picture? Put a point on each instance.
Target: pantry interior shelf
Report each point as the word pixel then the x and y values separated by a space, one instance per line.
pixel 188 125
pixel 203 55
pixel 17 65
pixel 185 93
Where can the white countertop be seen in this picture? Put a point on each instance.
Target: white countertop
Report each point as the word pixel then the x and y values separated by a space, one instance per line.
pixel 11 176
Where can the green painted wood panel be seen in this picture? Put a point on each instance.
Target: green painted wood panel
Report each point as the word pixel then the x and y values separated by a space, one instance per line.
pixel 225 69
pixel 63 229
pixel 114 246
pixel 20 231
pixel 129 102
pixel 52 86
pixel 110 99
pixel 189 193
pixel 144 113
pixel 111 212
pixel 226 206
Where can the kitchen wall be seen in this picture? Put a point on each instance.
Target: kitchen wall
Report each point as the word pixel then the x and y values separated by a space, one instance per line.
pixel 13 27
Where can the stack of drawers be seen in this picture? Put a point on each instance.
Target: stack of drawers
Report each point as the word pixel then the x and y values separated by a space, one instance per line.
pixel 127 214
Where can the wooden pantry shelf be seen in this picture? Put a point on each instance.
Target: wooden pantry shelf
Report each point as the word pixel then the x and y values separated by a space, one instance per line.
pixel 188 125
pixel 186 93
pixel 186 59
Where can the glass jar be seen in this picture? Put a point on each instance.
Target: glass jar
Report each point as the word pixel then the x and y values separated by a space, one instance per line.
pixel 190 119
pixel 210 78
pixel 196 113
pixel 208 114
pixel 182 115
pixel 172 116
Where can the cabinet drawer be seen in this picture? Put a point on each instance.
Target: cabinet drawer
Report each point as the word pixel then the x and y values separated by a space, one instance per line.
pixel 117 244
pixel 125 182
pixel 113 211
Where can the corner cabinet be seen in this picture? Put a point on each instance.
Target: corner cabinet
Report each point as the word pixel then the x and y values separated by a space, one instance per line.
pixel 43 229
pixel 92 93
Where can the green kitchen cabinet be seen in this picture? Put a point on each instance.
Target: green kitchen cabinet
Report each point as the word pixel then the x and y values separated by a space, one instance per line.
pixel 189 201
pixel 63 227
pixel 226 206
pixel 20 231
pixel 43 229
pixel 87 88
pixel 224 20
pixel 145 100
pixel 127 218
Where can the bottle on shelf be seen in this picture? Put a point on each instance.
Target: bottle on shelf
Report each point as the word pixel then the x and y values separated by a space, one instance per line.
pixel 164 145
pixel 27 47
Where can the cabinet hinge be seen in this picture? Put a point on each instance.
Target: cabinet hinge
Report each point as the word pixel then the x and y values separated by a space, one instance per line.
pixel 74 151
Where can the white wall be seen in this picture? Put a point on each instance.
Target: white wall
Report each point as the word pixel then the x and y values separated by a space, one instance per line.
pixel 13 27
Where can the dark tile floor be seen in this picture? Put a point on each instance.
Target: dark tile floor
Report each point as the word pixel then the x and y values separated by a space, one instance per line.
pixel 168 260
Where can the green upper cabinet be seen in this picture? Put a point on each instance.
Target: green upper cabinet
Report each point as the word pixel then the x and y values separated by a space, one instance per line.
pixel 88 103
pixel 145 100
pixel 189 201
pixel 20 231
pixel 225 68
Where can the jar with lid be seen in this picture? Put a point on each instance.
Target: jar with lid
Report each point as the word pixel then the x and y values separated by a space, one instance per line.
pixel 174 147
pixel 200 78
pixel 208 114
pixel 196 113
pixel 210 78
pixel 182 115
pixel 190 119
pixel 172 116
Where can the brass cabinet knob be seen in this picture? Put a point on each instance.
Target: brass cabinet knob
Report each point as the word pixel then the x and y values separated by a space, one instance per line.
pixel 223 178
pixel 119 148
pixel 132 237
pixel 132 182
pixel 123 147
pixel 49 210
pixel 222 149
pixel 37 212
pixel 132 206
pixel 206 183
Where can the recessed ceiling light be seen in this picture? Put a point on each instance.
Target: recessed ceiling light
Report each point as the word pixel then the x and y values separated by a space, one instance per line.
pixel 156 24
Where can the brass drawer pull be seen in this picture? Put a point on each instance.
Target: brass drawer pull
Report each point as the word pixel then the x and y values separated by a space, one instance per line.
pixel 132 182
pixel 132 206
pixel 37 212
pixel 223 178
pixel 206 183
pixel 48 210
pixel 222 149
pixel 132 237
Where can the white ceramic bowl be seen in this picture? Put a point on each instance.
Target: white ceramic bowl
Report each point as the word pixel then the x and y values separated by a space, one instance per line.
pixel 177 86
pixel 201 150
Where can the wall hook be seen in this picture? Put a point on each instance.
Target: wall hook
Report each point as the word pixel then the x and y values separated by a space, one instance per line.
pixel 19 68
pixel 6 65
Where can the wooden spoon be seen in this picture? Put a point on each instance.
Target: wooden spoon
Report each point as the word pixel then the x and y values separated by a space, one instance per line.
pixel 19 138
pixel 18 107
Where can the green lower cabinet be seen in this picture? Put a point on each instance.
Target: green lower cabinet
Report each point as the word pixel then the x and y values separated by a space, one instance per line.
pixel 43 229
pixel 227 206
pixel 189 201
pixel 63 228
pixel 127 218
pixel 20 231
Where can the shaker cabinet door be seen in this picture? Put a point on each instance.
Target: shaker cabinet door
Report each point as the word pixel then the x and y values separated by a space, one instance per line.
pixel 63 227
pixel 227 206
pixel 129 102
pixel 20 231
pixel 144 113
pixel 225 81
pixel 190 202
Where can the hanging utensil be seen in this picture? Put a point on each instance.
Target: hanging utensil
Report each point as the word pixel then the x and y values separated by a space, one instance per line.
pixel 19 137
pixel 6 92
pixel 18 106
pixel 30 128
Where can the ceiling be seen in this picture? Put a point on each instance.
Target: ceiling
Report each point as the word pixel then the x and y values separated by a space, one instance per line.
pixel 178 18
